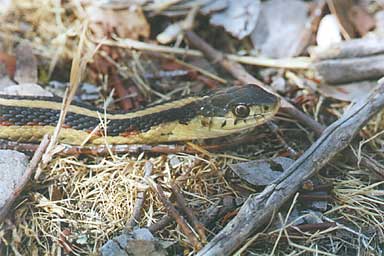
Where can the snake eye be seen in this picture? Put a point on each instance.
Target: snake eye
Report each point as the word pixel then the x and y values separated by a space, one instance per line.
pixel 241 110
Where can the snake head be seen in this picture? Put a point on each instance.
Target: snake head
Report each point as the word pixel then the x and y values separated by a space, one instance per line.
pixel 238 108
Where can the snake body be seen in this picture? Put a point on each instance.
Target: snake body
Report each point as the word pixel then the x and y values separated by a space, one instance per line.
pixel 215 114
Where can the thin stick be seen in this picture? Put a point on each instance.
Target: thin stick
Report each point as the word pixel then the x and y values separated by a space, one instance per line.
pixel 161 224
pixel 258 209
pixel 178 218
pixel 140 198
pixel 190 215
pixel 99 150
pixel 275 129
pixel 291 63
pixel 31 168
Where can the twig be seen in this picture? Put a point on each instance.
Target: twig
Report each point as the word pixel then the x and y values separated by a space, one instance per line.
pixel 25 178
pixel 374 166
pixel 239 72
pixel 178 218
pixel 190 215
pixel 192 67
pixel 314 197
pixel 161 224
pixel 291 63
pixel 140 198
pixel 258 209
pixel 99 150
pixel 313 227
pixel 275 129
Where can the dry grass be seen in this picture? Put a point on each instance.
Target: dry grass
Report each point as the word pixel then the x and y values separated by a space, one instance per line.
pixel 89 201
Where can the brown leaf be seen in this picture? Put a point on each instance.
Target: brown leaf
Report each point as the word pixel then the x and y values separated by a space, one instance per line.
pixel 361 19
pixel 341 9
pixel 10 63
pixel 127 23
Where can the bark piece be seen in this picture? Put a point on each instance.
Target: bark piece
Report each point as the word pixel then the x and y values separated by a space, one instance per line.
pixel 350 49
pixel 337 71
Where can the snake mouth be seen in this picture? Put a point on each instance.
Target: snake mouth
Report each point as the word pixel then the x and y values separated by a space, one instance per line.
pixel 226 125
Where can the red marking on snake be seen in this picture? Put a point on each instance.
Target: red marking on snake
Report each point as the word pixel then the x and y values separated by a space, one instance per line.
pixel 32 123
pixel 5 123
pixel 129 133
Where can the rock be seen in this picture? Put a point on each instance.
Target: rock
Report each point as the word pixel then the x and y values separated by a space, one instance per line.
pixel 12 167
pixel 138 243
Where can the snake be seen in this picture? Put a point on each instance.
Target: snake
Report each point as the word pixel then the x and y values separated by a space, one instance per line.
pixel 202 116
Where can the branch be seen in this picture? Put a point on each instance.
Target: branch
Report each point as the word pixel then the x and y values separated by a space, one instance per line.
pixel 177 216
pixel 139 202
pixel 258 209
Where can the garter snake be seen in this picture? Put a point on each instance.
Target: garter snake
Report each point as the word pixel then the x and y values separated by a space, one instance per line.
pixel 219 113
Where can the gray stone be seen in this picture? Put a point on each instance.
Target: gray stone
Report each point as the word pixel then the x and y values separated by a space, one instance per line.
pixel 12 167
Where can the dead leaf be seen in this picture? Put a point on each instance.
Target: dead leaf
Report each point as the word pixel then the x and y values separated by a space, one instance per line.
pixel 349 92
pixel 341 9
pixel 128 22
pixel 279 28
pixel 261 172
pixel 10 64
pixel 361 19
pixel 239 18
